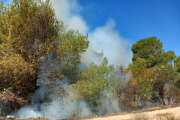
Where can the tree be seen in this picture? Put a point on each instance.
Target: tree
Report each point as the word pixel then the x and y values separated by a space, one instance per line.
pixel 139 86
pixel 68 49
pixel 95 83
pixel 177 64
pixel 164 83
pixel 141 76
pixel 3 24
pixel 91 83
pixel 31 38
pixel 34 28
pixel 114 83
pixel 27 32
pixel 29 35
pixel 150 49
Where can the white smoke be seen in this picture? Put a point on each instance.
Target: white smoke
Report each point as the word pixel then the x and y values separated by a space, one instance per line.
pixel 54 106
pixel 104 38
pixel 109 104
pixel 114 46
pixel 90 56
pixel 58 108
pixel 28 112
pixel 68 11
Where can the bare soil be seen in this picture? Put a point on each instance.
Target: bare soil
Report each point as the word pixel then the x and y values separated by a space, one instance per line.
pixel 152 113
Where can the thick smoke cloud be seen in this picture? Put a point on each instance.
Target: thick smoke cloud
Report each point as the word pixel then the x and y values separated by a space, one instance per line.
pixel 104 38
pixel 114 46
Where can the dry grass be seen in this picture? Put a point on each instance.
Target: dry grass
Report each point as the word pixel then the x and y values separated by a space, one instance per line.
pixel 159 116
pixel 164 114
pixel 169 118
pixel 140 116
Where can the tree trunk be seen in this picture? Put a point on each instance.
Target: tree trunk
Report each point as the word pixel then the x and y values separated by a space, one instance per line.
pixel 169 100
pixel 161 94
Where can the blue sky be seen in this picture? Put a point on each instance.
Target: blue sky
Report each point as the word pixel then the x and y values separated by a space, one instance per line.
pixel 137 19
pixel 123 22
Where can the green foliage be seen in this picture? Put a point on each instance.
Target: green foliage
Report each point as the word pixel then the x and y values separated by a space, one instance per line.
pixel 69 46
pixel 33 28
pixel 144 89
pixel 30 32
pixel 15 72
pixel 139 86
pixel 177 64
pixel 26 30
pixel 164 83
pixel 150 49
pixel 96 82
pixel 114 84
pixel 91 83
pixel 138 69
pixel 141 77
pixel 148 55
pixel 113 80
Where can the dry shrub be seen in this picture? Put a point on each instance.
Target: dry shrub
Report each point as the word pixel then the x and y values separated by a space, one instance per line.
pixel 164 114
pixel 169 118
pixel 140 116
pixel 10 101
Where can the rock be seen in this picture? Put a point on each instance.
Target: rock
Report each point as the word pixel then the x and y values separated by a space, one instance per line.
pixel 10 117
pixel 37 117
pixel 44 118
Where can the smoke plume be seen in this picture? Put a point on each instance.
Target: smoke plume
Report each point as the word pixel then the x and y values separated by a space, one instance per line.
pixel 105 38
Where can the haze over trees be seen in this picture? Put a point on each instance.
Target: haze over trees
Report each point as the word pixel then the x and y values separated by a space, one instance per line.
pixel 37 48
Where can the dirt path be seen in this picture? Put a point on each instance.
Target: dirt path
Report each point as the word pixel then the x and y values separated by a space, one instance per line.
pixel 152 114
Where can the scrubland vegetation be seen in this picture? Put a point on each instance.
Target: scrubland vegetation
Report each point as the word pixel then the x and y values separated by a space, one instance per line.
pixel 37 49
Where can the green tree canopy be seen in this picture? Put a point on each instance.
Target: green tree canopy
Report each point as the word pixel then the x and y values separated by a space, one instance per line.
pixel 91 83
pixel 29 32
pixel 165 81
pixel 150 49
pixel 177 64
pixel 94 83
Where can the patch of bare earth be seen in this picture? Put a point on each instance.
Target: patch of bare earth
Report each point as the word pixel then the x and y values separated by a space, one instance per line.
pixel 150 114
pixel 145 114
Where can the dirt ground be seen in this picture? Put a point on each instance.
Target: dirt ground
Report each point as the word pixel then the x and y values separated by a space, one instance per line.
pixel 153 115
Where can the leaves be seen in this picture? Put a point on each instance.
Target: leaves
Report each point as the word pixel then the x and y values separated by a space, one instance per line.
pixel 163 75
pixel 177 64
pixel 150 49
pixel 92 81
pixel 27 33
